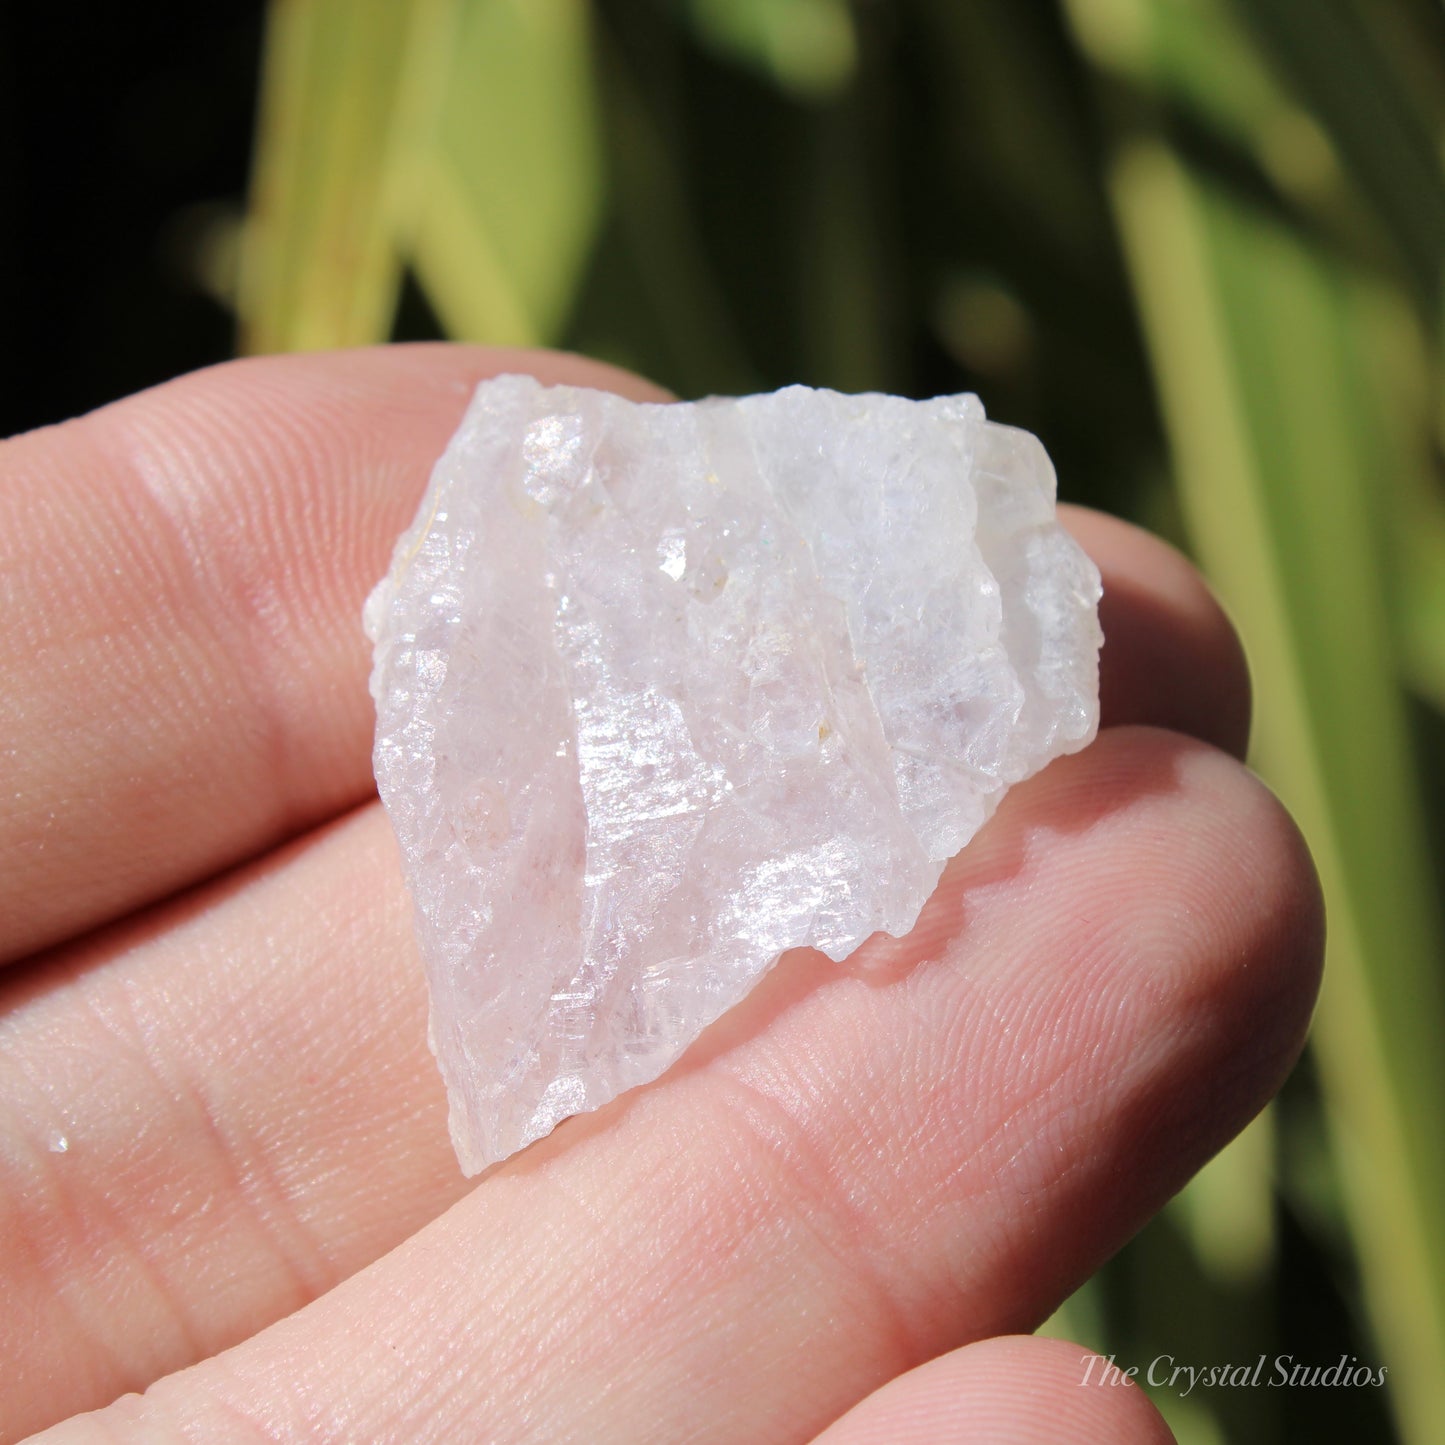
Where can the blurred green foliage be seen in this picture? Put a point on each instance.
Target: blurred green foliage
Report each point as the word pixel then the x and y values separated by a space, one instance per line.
pixel 1196 245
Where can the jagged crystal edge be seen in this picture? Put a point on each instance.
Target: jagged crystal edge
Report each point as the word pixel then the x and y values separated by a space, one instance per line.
pixel 664 690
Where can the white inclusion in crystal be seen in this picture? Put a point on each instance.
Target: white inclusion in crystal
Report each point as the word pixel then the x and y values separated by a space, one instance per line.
pixel 665 690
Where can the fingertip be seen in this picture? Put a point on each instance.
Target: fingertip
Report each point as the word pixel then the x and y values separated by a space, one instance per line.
pixel 1202 889
pixel 1273 915
pixel 1171 656
pixel 1147 916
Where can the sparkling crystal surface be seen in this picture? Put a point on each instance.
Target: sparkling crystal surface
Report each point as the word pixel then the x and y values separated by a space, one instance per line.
pixel 664 690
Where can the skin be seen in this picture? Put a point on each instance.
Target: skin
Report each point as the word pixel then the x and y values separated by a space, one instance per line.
pixel 837 1218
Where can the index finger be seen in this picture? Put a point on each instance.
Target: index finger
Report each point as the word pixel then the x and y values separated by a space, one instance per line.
pixel 182 670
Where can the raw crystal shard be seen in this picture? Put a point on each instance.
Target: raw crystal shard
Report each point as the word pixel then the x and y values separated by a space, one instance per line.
pixel 664 690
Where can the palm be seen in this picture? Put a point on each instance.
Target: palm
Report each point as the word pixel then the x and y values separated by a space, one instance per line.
pixel 217 1109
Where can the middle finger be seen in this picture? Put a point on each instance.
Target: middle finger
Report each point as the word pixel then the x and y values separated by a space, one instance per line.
pixel 854 1170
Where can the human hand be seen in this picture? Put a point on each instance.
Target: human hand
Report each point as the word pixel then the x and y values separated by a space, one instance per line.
pixel 223 1140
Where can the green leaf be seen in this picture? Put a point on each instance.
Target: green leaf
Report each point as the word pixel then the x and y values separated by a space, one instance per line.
pixel 1227 1209
pixel 1403 397
pixel 348 97
pixel 807 47
pixel 1257 345
pixel 512 187
pixel 1200 60
pixel 1329 55
pixel 1191 51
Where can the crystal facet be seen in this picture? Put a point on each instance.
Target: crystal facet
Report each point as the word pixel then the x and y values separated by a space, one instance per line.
pixel 664 690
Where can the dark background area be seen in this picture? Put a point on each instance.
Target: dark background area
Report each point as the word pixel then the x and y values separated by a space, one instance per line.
pixel 123 129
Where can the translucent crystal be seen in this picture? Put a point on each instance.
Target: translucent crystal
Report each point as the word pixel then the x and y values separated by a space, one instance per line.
pixel 665 690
